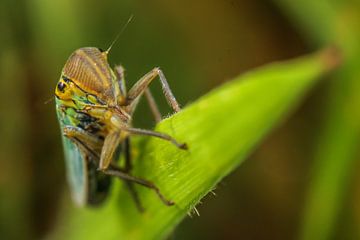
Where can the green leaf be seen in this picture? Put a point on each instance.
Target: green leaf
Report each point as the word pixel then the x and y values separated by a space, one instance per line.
pixel 221 129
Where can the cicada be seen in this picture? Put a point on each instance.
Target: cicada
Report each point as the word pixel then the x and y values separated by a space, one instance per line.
pixel 95 113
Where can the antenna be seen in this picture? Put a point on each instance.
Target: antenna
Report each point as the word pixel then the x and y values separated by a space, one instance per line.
pixel 118 35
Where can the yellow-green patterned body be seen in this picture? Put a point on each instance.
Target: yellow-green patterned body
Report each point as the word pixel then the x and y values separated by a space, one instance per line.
pixel 86 80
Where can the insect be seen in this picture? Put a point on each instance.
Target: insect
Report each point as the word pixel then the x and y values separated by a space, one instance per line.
pixel 95 113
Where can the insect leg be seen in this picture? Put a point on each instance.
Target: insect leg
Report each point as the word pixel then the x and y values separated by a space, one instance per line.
pixel 139 131
pixel 119 70
pixel 91 144
pixel 153 106
pixel 138 89
pixel 85 150
pixel 82 136
pixel 117 172
pixel 127 169
pixel 112 140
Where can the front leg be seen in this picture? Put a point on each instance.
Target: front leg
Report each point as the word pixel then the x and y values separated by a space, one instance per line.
pixel 140 86
pixel 111 142
pixel 86 141
pixel 122 92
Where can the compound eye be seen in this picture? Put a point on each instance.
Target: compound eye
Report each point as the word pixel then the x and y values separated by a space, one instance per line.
pixel 61 86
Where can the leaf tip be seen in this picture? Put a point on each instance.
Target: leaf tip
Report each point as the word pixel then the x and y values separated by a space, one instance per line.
pixel 331 57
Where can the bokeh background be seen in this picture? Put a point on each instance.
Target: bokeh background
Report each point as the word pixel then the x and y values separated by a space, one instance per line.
pixel 301 183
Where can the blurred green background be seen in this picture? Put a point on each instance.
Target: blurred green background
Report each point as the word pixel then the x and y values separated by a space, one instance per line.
pixel 301 183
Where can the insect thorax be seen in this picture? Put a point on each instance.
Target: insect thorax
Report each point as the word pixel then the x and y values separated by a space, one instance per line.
pixel 88 68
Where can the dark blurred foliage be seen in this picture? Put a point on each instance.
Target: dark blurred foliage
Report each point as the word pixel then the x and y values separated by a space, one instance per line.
pixel 199 45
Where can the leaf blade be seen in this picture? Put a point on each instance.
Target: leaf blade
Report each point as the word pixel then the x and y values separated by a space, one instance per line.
pixel 248 108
